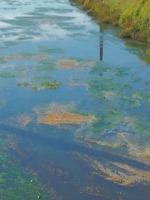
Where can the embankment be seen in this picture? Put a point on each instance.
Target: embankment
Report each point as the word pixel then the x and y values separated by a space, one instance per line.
pixel 132 16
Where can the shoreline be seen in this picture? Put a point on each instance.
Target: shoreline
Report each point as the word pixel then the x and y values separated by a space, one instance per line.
pixel 133 18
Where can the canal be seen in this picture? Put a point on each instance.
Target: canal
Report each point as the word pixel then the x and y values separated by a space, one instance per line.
pixel 74 106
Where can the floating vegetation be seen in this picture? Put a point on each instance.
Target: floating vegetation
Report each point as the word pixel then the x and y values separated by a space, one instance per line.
pixel 89 63
pixel 92 191
pixel 27 185
pixel 68 63
pixel 135 78
pixel 117 100
pixel 104 143
pixel 35 88
pixel 139 152
pixel 2 60
pixel 8 75
pixel 46 66
pixel 120 134
pixel 2 101
pixel 141 124
pixel 24 56
pixel 103 85
pixel 50 86
pixel 73 63
pixel 106 78
pixel 51 50
pixel 11 142
pixel 109 118
pixel 25 120
pixel 100 68
pixel 36 55
pixel 62 114
pixel 20 121
pixel 133 102
pixel 77 82
pixel 39 78
pixel 65 118
pixel 116 172
pixel 23 84
pixel 54 108
pixel 121 71
pixel 44 85
pixel 16 183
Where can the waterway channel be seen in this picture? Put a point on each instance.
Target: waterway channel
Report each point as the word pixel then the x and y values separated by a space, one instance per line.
pixel 74 106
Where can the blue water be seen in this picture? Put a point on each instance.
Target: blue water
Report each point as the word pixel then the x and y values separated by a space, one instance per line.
pixel 99 75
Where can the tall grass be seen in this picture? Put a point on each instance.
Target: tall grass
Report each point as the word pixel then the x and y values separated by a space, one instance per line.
pixel 133 16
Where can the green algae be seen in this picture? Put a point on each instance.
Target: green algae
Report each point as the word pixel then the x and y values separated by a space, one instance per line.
pixel 142 125
pixel 8 75
pixel 110 84
pixel 46 65
pixel 120 134
pixel 2 60
pixel 120 71
pixel 40 86
pixel 12 72
pixel 100 68
pixel 23 84
pixel 51 50
pixel 141 97
pixel 16 182
pixel 101 124
pixel 50 86
pixel 107 89
pixel 118 125
pixel 132 102
pixel 2 101
pixel 40 78
pixel 35 88
pixel 21 185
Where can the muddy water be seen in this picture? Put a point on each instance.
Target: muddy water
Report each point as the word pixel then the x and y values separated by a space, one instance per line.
pixel 74 106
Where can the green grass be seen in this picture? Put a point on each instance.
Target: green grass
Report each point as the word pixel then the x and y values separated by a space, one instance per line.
pixel 133 16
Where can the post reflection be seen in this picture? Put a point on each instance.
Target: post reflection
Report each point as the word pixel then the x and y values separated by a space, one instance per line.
pixel 101 44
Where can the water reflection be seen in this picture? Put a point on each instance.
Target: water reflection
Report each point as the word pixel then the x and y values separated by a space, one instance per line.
pixel 101 44
pixel 140 49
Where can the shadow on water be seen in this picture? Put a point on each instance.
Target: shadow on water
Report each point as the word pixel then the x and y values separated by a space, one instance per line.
pixel 62 144
pixel 43 154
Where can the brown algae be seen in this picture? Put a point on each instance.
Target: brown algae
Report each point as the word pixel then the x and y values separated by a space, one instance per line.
pixel 26 56
pixel 138 153
pixel 68 63
pixel 20 121
pixel 73 63
pixel 119 173
pixel 65 118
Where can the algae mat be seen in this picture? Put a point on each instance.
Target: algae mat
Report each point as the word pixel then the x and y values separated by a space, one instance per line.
pixel 65 118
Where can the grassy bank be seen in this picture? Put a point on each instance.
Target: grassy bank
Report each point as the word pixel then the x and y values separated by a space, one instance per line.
pixel 133 16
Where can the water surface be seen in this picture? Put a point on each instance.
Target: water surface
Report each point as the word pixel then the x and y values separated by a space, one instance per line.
pixel 55 59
